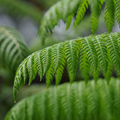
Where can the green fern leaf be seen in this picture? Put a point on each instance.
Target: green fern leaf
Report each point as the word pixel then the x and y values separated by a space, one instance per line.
pixel 81 11
pixel 68 102
pixel 109 14
pixel 105 101
pixel 54 104
pixel 108 73
pixel 71 51
pixel 91 55
pixel 65 7
pixel 96 52
pixel 59 61
pixel 116 88
pixel 95 9
pixel 38 64
pixel 12 48
pixel 55 13
pixel 101 51
pixel 112 46
pixel 31 68
pixel 49 75
pixel 65 10
pixel 46 59
pixel 69 20
pixel 80 102
pixel 93 102
pixel 84 64
pixel 25 72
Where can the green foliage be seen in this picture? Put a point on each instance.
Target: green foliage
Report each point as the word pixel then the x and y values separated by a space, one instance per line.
pixel 109 14
pixel 66 9
pixel 81 11
pixel 6 101
pixel 93 100
pixel 117 11
pixel 71 102
pixel 12 48
pixel 97 52
pixel 95 9
pixel 21 8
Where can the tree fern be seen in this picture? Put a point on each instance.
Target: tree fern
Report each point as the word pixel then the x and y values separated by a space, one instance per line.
pixel 77 101
pixel 96 52
pixel 12 48
pixel 66 9
pixel 18 8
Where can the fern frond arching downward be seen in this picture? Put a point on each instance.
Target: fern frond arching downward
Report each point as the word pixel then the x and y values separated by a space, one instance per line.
pixel 96 51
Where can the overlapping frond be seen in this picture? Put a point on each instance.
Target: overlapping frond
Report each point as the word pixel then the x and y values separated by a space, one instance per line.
pixel 12 48
pixel 93 53
pixel 66 10
pixel 20 8
pixel 67 102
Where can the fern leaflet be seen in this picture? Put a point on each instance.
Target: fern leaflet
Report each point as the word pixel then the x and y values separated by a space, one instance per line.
pixel 66 10
pixel 109 14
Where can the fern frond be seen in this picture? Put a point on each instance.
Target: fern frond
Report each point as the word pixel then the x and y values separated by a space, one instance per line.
pixel 101 51
pixel 114 50
pixel 38 64
pixel 77 101
pixel 109 14
pixel 55 13
pixel 12 48
pixel 49 74
pixel 18 8
pixel 96 51
pixel 59 61
pixel 84 65
pixel 71 51
pixel 66 9
pixel 69 20
pixel 31 68
pixel 89 48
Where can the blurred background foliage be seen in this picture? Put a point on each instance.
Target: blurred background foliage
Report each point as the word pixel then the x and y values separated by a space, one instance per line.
pixel 25 16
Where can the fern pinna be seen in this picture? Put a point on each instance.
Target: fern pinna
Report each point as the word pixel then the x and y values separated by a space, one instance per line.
pixel 66 10
pixel 12 48
pixel 71 102
pixel 93 53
